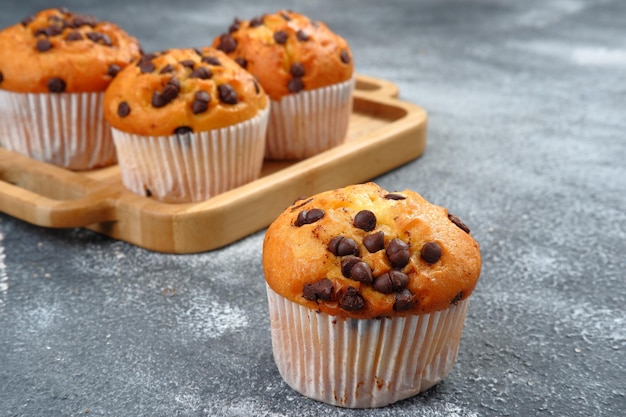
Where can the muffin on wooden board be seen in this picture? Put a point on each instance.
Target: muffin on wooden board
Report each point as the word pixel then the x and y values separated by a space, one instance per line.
pixel 54 68
pixel 187 124
pixel 308 72
pixel 368 292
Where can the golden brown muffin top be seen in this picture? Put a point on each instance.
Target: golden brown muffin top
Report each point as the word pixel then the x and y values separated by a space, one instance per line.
pixel 60 51
pixel 182 90
pixel 288 52
pixel 362 252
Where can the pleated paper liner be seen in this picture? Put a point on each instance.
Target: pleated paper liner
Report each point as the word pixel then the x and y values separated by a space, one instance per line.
pixel 192 167
pixel 310 122
pixel 64 129
pixel 358 363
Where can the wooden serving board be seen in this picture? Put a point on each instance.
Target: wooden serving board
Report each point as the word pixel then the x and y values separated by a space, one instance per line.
pixel 384 133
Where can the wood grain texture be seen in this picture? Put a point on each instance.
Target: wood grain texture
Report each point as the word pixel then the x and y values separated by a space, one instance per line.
pixel 384 133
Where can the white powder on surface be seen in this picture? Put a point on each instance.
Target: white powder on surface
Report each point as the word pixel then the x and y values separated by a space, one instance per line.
pixel 207 318
pixel 599 56
pixel 548 13
pixel 587 55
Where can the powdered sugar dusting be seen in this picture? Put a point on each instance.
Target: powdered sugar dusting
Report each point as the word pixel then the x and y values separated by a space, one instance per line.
pixel 599 56
pixel 212 319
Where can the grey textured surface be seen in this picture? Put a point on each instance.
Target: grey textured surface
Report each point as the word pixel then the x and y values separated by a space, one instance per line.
pixel 527 105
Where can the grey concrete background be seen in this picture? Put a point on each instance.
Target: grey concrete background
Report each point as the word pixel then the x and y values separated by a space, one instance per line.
pixel 527 105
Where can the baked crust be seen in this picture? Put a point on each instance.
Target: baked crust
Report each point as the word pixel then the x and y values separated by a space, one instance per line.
pixel 231 95
pixel 296 253
pixel 56 44
pixel 270 46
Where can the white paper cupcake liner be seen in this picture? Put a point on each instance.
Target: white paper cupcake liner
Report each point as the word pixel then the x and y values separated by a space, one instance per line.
pixel 307 123
pixel 192 167
pixel 358 363
pixel 64 129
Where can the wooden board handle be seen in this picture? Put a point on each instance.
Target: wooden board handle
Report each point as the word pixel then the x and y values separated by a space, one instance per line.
pixel 376 87
pixel 25 193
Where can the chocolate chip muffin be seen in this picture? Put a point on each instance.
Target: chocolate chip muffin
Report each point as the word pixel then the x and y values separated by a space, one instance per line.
pixel 54 68
pixel 373 284
pixel 187 124
pixel 306 69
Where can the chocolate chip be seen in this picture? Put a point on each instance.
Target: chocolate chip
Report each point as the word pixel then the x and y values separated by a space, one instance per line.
pixel 157 101
pixel 201 72
pixel 320 290
pixel 342 246
pixel 27 20
pixel 174 81
pixel 189 63
pixel 393 196
pixel 234 27
pixel 202 95
pixel 295 85
pixel 123 109
pixel 365 220
pixel 374 242
pixel 227 43
pixel 243 63
pixel 1 77
pixel 53 30
pixel 182 130
pixel 201 102
pixel 227 94
pixel 148 192
pixel 352 300
pixel 211 60
pixel 56 85
pixel 285 16
pixel 355 268
pixel 457 298
pixel 257 21
pixel 145 64
pixel 68 24
pixel 361 272
pixel 257 88
pixel 74 36
pixel 404 300
pixel 389 282
pixel 169 93
pixel 308 216
pixel 198 107
pixel 459 223
pixel 84 21
pixel 113 70
pixel 100 38
pixel 345 57
pixel 347 263
pixel 296 70
pixel 398 253
pixel 167 69
pixel 43 45
pixel 104 39
pixel 171 90
pixel 302 36
pixel 431 252
pixel 280 37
